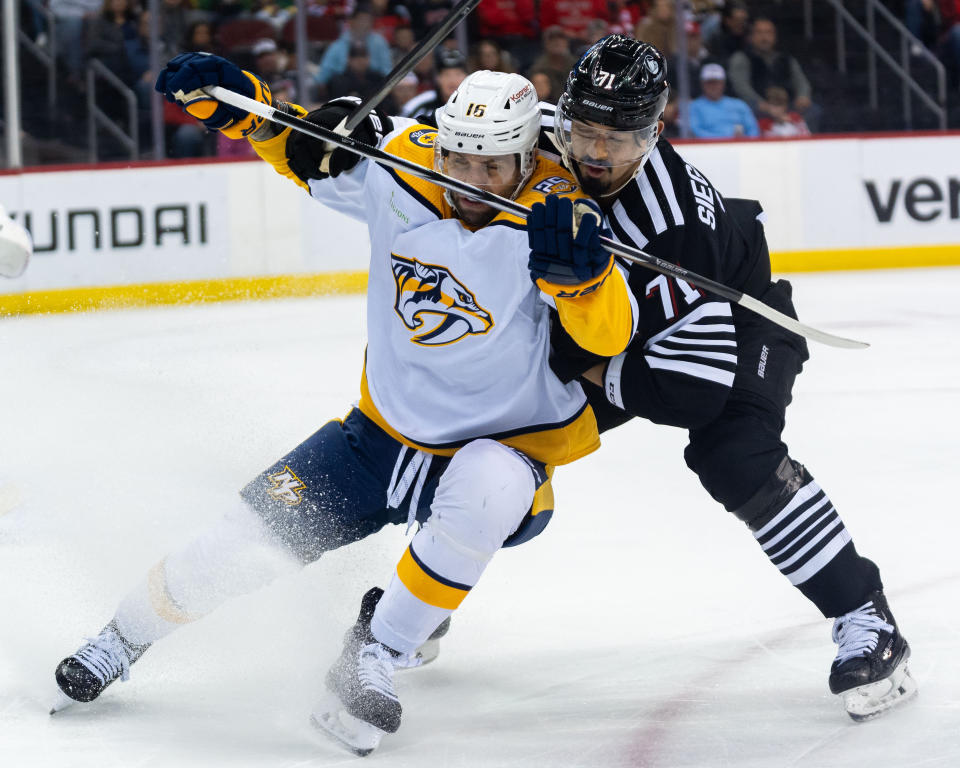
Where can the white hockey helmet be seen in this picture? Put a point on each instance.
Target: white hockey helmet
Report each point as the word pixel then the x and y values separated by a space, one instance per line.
pixel 491 114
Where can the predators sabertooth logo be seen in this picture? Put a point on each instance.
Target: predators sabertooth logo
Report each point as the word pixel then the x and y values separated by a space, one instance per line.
pixel 556 185
pixel 431 301
pixel 423 137
pixel 286 486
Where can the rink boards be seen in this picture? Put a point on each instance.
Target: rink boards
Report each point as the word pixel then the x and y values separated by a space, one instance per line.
pixel 171 232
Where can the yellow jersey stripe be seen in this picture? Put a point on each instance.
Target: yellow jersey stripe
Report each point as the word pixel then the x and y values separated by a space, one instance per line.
pixel 161 602
pixel 426 585
pixel 554 445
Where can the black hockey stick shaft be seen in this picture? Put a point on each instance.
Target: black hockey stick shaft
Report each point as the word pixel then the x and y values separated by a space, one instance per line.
pixel 440 31
pixel 629 253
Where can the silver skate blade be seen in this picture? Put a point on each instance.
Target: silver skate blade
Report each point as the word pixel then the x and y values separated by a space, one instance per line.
pixel 62 702
pixel 423 655
pixel 334 721
pixel 870 701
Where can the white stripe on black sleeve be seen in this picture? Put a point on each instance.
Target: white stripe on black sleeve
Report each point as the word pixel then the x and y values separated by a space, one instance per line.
pixel 703 344
pixel 632 231
pixel 666 183
pixel 653 205
pixel 805 535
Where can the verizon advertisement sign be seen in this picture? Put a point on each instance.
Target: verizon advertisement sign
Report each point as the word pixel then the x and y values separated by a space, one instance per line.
pixel 240 219
pixel 836 194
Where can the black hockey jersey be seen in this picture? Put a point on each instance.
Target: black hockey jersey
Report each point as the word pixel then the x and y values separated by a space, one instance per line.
pixel 680 366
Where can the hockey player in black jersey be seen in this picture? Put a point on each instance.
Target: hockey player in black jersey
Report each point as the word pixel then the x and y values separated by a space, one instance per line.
pixel 721 372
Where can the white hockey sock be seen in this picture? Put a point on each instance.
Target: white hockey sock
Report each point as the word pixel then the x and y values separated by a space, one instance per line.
pixel 403 622
pixel 233 557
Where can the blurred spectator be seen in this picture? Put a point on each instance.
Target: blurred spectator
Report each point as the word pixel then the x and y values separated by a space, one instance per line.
pixel 425 13
pixel 789 123
pixel 696 58
pixel 715 116
pixel 543 85
pixel 707 14
pixel 504 19
pixel 556 60
pixel 761 66
pixel 487 54
pixel 671 116
pixel 199 38
pixel 402 92
pixel 659 27
pixel 512 23
pixel 624 15
pixel 174 24
pixel 572 15
pixel 359 29
pixel 731 35
pixel 922 18
pixel 403 43
pixel 450 70
pixel 950 36
pixel 388 16
pixel 69 18
pixel 597 29
pixel 107 34
pixel 357 80
pixel 270 64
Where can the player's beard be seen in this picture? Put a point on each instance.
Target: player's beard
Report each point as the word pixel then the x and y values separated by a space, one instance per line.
pixel 471 211
pixel 600 181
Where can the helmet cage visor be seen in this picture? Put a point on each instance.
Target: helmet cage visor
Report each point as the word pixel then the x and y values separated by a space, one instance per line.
pixel 486 171
pixel 601 146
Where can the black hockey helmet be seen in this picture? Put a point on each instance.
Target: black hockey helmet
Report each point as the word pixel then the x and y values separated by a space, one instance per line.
pixel 607 120
pixel 619 82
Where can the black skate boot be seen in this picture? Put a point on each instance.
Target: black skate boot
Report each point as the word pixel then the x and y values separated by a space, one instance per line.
pixel 101 660
pixel 870 670
pixel 361 704
pixel 423 655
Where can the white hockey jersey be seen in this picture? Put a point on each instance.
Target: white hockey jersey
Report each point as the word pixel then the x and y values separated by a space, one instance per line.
pixel 458 334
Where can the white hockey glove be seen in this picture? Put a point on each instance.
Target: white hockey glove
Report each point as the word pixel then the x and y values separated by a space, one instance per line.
pixel 15 246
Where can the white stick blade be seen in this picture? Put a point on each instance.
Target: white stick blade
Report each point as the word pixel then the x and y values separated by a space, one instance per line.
pixel 801 329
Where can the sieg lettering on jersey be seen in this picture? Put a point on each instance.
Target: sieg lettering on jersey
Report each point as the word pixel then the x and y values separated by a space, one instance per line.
pixel 433 302
pixel 706 198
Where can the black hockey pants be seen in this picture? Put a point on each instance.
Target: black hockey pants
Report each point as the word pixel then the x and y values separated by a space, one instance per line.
pixel 743 463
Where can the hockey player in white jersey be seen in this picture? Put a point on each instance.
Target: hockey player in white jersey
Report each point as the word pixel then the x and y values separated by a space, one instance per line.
pixel 16 247
pixel 460 416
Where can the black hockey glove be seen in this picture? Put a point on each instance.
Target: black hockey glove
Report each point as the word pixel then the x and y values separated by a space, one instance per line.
pixel 564 238
pixel 311 158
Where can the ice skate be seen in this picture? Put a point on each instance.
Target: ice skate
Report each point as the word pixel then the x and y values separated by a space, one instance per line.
pixel 870 671
pixel 361 704
pixel 101 660
pixel 425 654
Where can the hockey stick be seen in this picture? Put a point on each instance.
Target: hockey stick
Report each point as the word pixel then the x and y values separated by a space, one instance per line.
pixel 412 58
pixel 634 255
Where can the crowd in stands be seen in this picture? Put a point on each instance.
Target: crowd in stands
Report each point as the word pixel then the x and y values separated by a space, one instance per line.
pixel 741 83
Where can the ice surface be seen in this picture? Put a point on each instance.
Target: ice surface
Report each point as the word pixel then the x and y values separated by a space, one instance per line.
pixel 644 628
